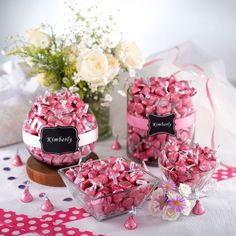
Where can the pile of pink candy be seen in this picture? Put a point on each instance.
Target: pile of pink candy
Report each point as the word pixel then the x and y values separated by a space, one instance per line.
pixel 157 96
pixel 185 164
pixel 111 186
pixel 59 109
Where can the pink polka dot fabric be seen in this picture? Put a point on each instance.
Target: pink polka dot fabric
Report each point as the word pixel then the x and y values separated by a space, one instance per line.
pixel 223 174
pixel 49 224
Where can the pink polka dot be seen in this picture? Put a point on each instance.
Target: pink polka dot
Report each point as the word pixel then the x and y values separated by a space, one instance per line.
pixel 5 230
pixel 71 232
pixel 44 225
pixel 86 214
pixel 59 234
pixel 57 222
pixel 16 232
pixel 62 215
pixel 57 229
pixel 7 215
pixel 32 222
pixel 72 217
pixel 19 218
pixel 20 224
pixel 46 231
pixel 32 227
pixel 76 212
pixel 8 221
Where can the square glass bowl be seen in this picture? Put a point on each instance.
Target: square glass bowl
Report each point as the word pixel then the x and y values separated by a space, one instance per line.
pixel 112 204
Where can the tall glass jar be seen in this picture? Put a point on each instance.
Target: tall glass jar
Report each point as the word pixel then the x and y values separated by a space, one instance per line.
pixel 159 110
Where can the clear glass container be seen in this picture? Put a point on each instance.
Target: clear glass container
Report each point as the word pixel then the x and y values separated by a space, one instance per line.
pixel 113 204
pixel 144 147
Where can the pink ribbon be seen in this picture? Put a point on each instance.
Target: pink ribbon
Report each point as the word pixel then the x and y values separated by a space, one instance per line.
pixel 199 70
pixel 142 123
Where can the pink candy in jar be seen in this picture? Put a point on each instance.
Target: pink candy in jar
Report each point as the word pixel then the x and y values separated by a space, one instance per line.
pixel 187 164
pixel 158 110
pixel 109 187
pixel 58 130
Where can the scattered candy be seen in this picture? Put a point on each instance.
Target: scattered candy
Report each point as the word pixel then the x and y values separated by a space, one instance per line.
pixel 11 178
pixel 47 206
pixel 198 208
pixel 17 160
pixel 157 96
pixel 60 109
pixel 130 223
pixel 26 196
pixel 116 145
pixel 111 186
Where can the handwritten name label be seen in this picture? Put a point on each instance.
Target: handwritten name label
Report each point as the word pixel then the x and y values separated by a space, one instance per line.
pixel 161 124
pixel 59 140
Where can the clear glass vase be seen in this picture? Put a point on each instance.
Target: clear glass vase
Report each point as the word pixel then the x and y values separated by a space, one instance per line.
pixel 101 109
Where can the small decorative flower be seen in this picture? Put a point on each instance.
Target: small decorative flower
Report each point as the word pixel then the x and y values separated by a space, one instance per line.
pixel 184 190
pixel 157 193
pixel 177 203
pixel 38 38
pixel 155 211
pixel 160 202
pixel 170 214
pixel 187 209
pixel 168 185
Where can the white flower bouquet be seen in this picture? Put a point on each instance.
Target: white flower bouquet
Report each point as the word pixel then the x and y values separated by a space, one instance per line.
pixel 86 59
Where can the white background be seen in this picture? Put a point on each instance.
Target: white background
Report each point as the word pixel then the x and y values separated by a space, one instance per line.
pixel 154 24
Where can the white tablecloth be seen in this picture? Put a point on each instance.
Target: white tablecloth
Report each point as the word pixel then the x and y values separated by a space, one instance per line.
pixel 220 219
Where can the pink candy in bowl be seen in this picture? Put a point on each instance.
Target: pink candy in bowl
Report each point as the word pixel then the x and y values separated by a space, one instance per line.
pixel 58 130
pixel 191 165
pixel 109 187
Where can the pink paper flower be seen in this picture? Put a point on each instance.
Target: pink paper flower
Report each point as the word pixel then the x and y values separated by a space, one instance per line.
pixel 177 203
pixel 160 202
pixel 168 185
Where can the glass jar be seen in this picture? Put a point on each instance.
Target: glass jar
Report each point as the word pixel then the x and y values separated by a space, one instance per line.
pixel 101 110
pixel 58 130
pixel 159 110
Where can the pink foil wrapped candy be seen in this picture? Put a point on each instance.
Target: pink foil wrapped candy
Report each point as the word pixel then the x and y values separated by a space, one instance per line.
pixel 58 112
pixel 112 186
pixel 192 165
pixel 160 97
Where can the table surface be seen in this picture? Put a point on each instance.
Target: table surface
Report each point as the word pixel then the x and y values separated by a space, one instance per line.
pixel 68 218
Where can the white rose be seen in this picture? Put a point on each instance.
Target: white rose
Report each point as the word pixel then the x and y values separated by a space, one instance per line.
pixel 157 194
pixel 169 214
pixel 38 38
pixel 184 190
pixel 92 66
pixel 155 211
pixel 187 209
pixel 130 55
pixel 71 52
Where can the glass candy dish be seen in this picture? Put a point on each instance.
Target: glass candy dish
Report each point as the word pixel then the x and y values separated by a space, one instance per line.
pixel 195 171
pixel 115 203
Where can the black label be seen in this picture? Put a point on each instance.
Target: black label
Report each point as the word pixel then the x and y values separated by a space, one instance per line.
pixel 161 124
pixel 59 139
